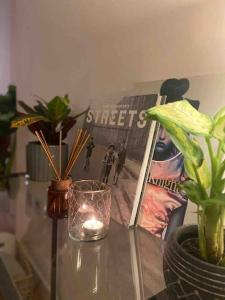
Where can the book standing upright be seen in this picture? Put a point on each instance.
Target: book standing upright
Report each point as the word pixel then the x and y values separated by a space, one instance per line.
pixel 119 149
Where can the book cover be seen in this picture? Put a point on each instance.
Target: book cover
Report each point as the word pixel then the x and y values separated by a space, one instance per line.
pixel 116 152
pixel 163 205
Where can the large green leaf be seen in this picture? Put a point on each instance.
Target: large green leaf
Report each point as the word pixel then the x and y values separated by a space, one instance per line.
pixel 190 150
pixel 26 120
pixel 58 109
pixel 203 172
pixel 184 115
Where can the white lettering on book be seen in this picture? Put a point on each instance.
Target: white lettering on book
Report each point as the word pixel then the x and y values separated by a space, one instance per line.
pixel 117 117
pixel 169 185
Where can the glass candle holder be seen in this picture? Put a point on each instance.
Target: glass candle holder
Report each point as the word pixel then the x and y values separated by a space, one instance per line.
pixel 58 195
pixel 89 210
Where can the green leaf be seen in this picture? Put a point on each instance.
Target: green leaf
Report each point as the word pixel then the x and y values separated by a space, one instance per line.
pixel 219 129
pixel 8 101
pixel 66 99
pixel 193 191
pixel 219 185
pixel 219 180
pixel 41 109
pixel 202 170
pixel 26 120
pixel 184 115
pixel 27 108
pixel 220 170
pixel 220 114
pixel 190 150
pixel 5 128
pixel 6 105
pixel 58 109
pixel 219 199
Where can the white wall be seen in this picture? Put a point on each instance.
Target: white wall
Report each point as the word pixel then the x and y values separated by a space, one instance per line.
pixel 105 47
pixel 209 89
pixel 5 45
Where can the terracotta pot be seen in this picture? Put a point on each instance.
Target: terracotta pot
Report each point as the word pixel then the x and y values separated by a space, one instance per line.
pixel 188 277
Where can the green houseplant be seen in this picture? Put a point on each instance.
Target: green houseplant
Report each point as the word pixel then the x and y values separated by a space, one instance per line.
pixel 50 117
pixel 7 139
pixel 189 129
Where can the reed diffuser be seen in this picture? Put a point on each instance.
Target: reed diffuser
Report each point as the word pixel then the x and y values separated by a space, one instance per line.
pixel 58 191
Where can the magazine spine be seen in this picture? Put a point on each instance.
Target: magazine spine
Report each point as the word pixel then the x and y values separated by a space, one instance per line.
pixel 146 162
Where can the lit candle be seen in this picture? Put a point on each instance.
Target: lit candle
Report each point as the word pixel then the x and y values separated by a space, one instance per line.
pixel 92 227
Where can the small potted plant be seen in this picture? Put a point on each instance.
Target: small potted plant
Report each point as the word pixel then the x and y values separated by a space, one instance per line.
pixel 194 258
pixel 7 136
pixel 49 118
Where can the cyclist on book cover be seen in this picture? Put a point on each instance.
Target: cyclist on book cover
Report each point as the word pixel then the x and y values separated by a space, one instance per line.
pixel 163 206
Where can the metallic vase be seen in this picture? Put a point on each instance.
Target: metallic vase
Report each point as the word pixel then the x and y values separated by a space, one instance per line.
pixel 38 166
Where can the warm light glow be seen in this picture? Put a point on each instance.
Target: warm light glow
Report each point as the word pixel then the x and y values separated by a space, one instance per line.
pixel 83 208
pixel 93 224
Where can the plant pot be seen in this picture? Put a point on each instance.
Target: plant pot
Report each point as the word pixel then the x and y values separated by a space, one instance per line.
pixel 188 277
pixel 38 166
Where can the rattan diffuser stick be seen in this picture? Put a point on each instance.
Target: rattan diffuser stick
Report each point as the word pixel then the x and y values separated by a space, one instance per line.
pixel 48 153
pixel 82 140
pixel 79 142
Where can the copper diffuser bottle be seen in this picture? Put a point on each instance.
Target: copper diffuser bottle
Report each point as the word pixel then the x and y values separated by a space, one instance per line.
pixel 58 191
pixel 58 194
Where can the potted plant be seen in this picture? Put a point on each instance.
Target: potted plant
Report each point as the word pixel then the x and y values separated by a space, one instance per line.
pixel 7 138
pixel 194 258
pixel 50 118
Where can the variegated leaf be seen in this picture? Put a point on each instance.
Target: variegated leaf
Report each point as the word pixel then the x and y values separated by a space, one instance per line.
pixel 184 143
pixel 26 120
pixel 184 115
pixel 202 170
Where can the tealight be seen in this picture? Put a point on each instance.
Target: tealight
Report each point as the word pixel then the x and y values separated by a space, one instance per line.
pixel 92 227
